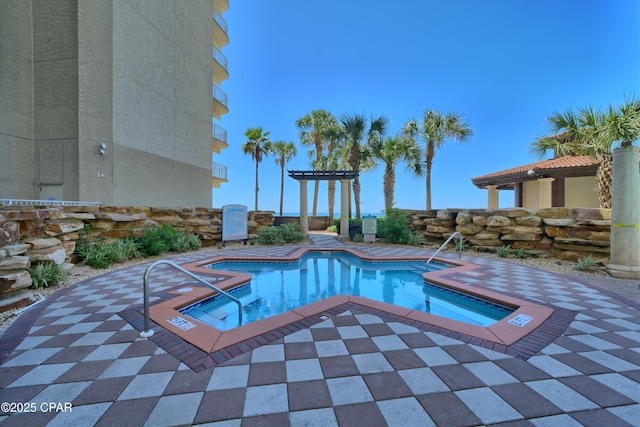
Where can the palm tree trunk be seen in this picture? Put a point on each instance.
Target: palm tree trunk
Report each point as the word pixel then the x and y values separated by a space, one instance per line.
pixel 281 187
pixel 388 182
pixel 605 179
pixel 356 195
pixel 316 187
pixel 257 188
pixel 332 199
pixel 428 174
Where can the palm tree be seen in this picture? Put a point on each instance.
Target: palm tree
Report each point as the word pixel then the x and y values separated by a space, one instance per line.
pixel 357 135
pixel 590 132
pixel 434 129
pixel 313 128
pixel 283 152
pixel 334 159
pixel 580 133
pixel 257 145
pixel 391 150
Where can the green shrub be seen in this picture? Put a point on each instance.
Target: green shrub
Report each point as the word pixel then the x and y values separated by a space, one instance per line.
pixel 504 251
pixel 586 263
pixel 96 254
pixel 285 233
pixel 414 239
pixel 333 228
pixel 122 250
pixel 461 244
pixel 157 240
pixel 47 274
pixel 186 242
pixel 393 228
pixel 520 253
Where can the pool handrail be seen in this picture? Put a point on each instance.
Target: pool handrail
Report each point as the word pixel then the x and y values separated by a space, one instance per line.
pixel 145 281
pixel 445 244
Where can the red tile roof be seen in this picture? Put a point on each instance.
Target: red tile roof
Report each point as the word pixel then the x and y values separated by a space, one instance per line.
pixel 561 166
pixel 557 163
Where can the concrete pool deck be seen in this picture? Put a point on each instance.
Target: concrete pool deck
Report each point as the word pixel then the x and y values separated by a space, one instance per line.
pixel 355 365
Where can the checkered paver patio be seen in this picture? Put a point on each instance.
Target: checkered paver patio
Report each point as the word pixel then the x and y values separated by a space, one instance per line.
pixel 351 366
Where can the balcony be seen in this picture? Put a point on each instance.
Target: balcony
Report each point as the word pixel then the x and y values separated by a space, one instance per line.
pixel 221 5
pixel 219 102
pixel 220 66
pixel 220 28
pixel 219 139
pixel 219 173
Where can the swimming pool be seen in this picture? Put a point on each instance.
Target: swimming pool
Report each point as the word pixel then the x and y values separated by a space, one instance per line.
pixel 277 287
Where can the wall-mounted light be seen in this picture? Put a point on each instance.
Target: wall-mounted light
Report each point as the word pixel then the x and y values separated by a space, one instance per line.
pixel 530 172
pixel 103 147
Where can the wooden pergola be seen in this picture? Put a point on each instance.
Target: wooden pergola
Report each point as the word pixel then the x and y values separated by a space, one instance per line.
pixel 343 176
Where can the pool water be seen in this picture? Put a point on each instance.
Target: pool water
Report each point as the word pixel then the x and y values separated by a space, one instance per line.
pixel 277 287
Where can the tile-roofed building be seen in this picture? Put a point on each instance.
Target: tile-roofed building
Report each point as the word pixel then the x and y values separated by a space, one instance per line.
pixel 567 181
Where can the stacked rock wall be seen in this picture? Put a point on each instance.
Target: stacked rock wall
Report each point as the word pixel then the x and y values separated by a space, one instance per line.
pixel 31 235
pixel 565 233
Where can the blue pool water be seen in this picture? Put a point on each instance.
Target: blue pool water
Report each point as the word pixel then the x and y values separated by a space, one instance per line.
pixel 277 287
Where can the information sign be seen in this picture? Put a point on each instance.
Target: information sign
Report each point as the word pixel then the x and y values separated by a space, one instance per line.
pixel 369 228
pixel 234 223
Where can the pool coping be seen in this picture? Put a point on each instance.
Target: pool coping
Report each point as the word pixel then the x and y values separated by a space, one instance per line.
pixel 211 340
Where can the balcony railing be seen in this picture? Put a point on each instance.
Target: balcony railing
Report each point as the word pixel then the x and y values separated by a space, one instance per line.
pixel 220 20
pixel 219 133
pixel 220 59
pixel 219 95
pixel 219 171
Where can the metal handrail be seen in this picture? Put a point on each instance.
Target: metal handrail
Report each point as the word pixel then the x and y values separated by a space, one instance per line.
pixel 445 244
pixel 145 280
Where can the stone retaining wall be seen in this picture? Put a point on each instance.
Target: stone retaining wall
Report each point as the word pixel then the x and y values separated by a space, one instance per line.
pixel 565 233
pixel 30 235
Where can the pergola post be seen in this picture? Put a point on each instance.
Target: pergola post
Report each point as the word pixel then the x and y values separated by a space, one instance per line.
pixel 344 207
pixel 304 214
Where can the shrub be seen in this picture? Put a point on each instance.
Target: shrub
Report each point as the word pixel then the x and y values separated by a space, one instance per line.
pixel 333 228
pixel 157 240
pixel 504 251
pixel 186 242
pixel 100 254
pixel 47 274
pixel 461 244
pixel 285 233
pixel 586 263
pixel 414 239
pixel 520 253
pixel 393 228
pixel 96 254
pixel 123 249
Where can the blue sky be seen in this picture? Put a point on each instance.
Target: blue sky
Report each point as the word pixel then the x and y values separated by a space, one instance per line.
pixel 504 65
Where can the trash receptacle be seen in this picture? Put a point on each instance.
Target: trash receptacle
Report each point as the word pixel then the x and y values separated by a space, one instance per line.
pixel 354 230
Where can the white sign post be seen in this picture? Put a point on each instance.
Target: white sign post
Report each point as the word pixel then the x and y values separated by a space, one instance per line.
pixel 234 223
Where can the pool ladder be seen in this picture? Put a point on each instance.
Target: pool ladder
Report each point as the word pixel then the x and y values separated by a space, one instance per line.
pixel 445 244
pixel 145 280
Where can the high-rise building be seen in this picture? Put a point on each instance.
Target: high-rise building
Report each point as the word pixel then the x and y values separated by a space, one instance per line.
pixel 112 100
pixel 220 102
